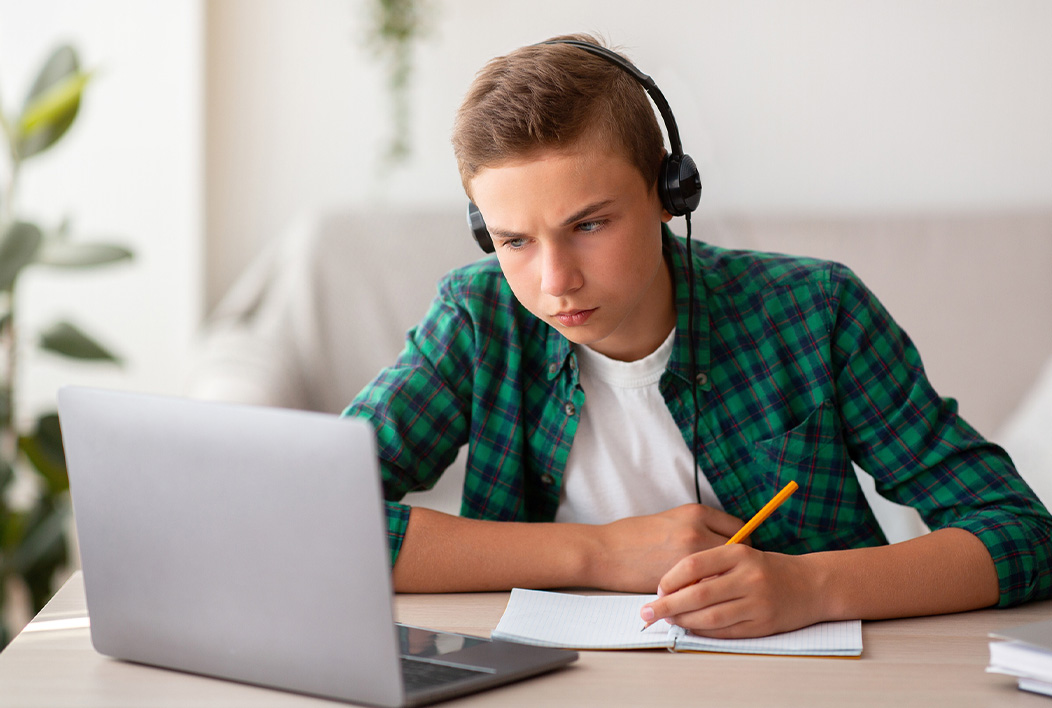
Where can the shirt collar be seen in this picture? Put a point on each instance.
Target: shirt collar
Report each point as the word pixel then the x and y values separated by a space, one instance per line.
pixel 559 351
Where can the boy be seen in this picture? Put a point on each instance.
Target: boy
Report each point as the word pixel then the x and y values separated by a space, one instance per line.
pixel 564 365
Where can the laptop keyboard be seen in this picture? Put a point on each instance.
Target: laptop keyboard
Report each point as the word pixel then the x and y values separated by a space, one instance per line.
pixel 422 674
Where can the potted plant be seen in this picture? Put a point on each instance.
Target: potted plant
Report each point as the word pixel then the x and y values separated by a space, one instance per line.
pixel 394 26
pixel 33 522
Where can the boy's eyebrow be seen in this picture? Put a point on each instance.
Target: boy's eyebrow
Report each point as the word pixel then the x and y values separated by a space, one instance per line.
pixel 575 217
pixel 587 211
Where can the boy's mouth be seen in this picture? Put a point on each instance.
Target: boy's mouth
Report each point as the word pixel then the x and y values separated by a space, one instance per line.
pixel 574 318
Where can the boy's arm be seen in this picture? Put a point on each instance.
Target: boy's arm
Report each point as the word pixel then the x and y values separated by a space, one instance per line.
pixel 443 553
pixel 744 592
pixel 418 408
pixel 992 538
pixel 921 453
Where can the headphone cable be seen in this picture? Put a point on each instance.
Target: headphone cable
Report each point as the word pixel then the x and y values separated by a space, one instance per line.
pixel 693 360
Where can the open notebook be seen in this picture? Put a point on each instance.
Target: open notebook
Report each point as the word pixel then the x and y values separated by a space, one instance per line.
pixel 612 622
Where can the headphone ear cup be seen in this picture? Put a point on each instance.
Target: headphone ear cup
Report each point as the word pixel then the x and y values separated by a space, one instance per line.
pixel 478 229
pixel 679 185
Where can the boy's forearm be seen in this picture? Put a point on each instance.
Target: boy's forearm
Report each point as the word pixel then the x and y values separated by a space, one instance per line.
pixel 949 570
pixel 443 553
pixel 735 591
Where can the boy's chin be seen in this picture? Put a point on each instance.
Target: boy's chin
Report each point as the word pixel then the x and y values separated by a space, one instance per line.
pixel 586 336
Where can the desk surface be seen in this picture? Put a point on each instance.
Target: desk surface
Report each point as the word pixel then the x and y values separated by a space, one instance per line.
pixel 912 662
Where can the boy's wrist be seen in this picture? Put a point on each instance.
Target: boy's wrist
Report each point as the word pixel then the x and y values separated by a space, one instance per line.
pixel 824 587
pixel 584 555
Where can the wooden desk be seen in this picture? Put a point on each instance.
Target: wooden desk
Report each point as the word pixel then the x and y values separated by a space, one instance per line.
pixel 932 661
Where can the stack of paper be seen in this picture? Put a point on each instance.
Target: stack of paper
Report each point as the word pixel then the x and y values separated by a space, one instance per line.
pixel 612 622
pixel 1026 653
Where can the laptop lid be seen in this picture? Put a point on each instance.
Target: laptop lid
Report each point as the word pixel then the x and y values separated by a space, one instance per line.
pixel 240 542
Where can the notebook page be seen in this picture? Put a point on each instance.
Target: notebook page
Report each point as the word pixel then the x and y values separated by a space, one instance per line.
pixel 822 639
pixel 556 619
pixel 613 622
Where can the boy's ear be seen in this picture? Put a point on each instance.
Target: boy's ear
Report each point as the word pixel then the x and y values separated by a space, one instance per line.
pixel 656 195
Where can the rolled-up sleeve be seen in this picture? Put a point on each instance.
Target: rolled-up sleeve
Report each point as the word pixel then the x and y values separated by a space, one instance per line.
pixel 419 410
pixel 921 453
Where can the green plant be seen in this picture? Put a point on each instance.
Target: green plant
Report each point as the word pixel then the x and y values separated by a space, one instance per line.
pixel 33 526
pixel 395 25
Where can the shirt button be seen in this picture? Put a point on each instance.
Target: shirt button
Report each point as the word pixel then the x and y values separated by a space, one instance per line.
pixel 547 480
pixel 570 409
pixel 702 378
pixel 553 368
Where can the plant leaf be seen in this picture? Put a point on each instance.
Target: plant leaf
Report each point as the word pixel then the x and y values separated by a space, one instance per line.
pixel 52 103
pixel 7 475
pixel 18 247
pixel 44 449
pixel 61 63
pixel 66 339
pixel 63 254
pixel 42 547
pixel 5 415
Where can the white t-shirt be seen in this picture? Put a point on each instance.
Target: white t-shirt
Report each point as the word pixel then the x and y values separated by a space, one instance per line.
pixel 628 458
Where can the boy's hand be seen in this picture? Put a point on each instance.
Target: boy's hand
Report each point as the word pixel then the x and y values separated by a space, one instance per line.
pixel 636 552
pixel 737 591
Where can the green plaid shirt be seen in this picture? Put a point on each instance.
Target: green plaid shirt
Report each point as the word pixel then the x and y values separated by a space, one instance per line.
pixel 800 371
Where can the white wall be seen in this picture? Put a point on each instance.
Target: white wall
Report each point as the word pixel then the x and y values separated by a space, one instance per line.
pixel 811 106
pixel 129 171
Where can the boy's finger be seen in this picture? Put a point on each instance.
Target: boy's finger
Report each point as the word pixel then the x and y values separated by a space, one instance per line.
pixel 687 601
pixel 699 566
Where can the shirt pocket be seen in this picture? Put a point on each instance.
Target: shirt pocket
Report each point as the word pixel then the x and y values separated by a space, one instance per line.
pixel 813 455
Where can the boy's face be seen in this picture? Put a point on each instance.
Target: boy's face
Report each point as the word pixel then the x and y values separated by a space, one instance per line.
pixel 578 236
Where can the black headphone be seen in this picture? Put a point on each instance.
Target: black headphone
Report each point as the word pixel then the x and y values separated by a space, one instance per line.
pixel 679 182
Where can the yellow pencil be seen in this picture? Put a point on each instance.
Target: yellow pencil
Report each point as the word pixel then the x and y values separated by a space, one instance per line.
pixel 769 507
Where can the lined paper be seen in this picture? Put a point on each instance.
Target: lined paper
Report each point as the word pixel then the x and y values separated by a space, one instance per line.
pixel 822 639
pixel 612 622
pixel 558 619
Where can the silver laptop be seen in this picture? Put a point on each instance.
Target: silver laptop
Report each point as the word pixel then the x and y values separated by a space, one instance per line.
pixel 249 543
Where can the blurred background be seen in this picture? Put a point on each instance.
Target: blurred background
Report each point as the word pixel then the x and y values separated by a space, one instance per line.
pixel 210 126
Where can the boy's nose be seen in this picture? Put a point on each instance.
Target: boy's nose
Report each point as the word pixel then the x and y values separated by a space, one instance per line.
pixel 559 272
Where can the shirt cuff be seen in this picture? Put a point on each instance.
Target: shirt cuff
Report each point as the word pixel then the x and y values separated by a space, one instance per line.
pixel 1017 558
pixel 397 520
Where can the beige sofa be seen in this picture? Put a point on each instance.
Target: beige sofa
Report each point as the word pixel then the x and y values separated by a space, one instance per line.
pixel 324 308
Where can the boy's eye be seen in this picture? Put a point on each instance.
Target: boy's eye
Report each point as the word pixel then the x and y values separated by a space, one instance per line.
pixel 514 243
pixel 590 226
